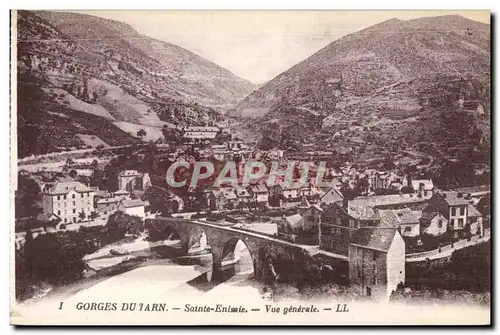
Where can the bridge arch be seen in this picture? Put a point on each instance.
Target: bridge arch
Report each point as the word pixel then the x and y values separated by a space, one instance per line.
pixel 236 257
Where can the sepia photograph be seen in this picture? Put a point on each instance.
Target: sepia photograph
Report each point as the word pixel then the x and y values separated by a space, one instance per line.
pixel 250 167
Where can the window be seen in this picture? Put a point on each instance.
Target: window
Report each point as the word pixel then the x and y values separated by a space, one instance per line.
pixel 374 279
pixel 58 197
pixel 74 210
pixel 74 203
pixel 440 223
pixel 407 229
pixel 73 196
pixel 337 221
pixel 82 194
pixel 374 255
pixel 453 211
pixel 65 197
pixel 460 223
pixel 353 224
pixel 462 210
pixel 452 223
pixel 58 212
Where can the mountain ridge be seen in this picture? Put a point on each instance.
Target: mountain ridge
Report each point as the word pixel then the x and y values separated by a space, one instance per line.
pixel 325 53
pixel 124 79
pixel 421 85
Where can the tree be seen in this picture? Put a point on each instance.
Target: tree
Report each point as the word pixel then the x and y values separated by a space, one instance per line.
pixel 73 174
pixel 120 223
pixel 27 197
pixel 420 190
pixel 81 215
pixel 141 133
pixel 362 186
pixel 241 205
pixel 161 200
pixel 55 258
pixel 406 190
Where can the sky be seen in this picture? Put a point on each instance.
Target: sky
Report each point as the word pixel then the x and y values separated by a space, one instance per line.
pixel 259 45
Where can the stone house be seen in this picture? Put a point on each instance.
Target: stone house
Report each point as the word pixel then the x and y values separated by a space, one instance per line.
pixel 455 208
pixel 131 180
pixel 108 206
pixel 376 261
pixel 296 229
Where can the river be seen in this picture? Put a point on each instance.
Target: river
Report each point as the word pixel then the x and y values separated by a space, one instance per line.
pixel 163 278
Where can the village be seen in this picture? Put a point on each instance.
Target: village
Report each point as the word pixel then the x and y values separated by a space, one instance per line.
pixel 378 219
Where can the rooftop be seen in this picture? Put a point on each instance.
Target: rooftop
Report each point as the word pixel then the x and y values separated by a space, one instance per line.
pixel 65 187
pixel 129 203
pixel 293 220
pixel 259 188
pixel 427 184
pixel 472 211
pixel 474 189
pixel 331 196
pixel 428 216
pixel 119 192
pixel 129 173
pixel 395 218
pixel 374 238
pixel 453 198
pixel 108 200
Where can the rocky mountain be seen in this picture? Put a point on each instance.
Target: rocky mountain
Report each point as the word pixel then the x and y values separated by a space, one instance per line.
pixel 416 85
pixel 105 72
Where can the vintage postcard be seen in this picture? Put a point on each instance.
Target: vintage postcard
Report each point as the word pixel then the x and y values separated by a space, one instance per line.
pixel 250 168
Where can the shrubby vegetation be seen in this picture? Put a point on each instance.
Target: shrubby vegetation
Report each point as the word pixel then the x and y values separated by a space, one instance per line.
pixel 57 258
pixel 468 269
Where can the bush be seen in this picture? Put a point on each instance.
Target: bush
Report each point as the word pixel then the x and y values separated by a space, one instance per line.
pixel 50 259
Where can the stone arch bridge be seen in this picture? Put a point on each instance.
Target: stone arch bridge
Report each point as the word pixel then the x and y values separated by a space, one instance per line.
pixel 266 252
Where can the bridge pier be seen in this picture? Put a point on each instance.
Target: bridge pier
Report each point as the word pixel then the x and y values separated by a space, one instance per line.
pixel 184 244
pixel 217 273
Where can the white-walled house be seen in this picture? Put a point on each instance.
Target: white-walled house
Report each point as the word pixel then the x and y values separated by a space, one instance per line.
pixel 455 208
pixel 260 193
pixel 134 207
pixel 70 200
pixel 433 223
